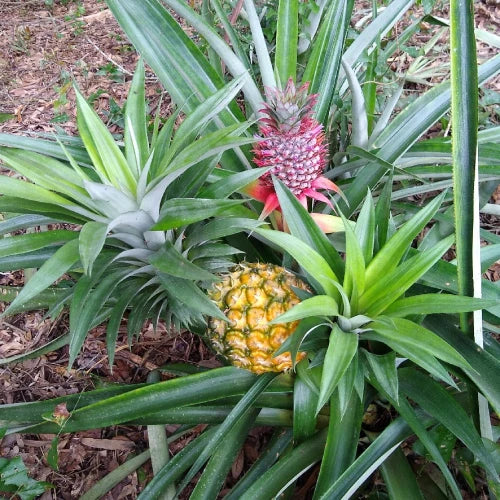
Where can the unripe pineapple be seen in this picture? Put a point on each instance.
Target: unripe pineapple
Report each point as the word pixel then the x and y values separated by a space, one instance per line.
pixel 251 296
pixel 292 142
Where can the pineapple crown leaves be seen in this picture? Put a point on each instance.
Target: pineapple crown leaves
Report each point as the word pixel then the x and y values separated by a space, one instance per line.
pixel 286 109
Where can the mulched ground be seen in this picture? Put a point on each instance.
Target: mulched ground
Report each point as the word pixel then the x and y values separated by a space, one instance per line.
pixel 43 49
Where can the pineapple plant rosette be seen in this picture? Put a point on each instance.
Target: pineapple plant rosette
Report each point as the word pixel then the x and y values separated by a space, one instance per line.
pixel 362 337
pixel 146 243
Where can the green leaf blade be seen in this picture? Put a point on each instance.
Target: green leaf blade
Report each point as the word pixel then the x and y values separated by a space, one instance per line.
pixel 305 402
pixel 416 337
pixel 289 467
pixel 170 261
pixel 464 113
pixel 341 444
pixel 51 270
pixel 434 399
pixel 287 32
pixel 385 372
pixel 394 284
pixel 136 134
pixel 324 62
pixel 302 226
pixel 217 468
pixel 341 350
pixel 106 156
pixel 399 477
pixel 485 367
pixel 435 303
pixel 27 191
pixel 319 305
pixel 189 294
pixel 310 260
pixel 355 274
pixel 90 243
pixel 29 242
pixel 390 254
pixel 180 212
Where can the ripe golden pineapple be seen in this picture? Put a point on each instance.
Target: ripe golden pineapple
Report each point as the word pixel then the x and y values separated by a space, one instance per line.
pixel 250 296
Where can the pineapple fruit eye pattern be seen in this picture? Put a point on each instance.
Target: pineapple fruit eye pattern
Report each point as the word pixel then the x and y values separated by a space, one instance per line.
pixel 294 143
pixel 291 142
pixel 251 296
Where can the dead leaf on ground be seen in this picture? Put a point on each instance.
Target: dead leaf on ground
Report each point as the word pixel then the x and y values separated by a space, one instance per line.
pixel 118 444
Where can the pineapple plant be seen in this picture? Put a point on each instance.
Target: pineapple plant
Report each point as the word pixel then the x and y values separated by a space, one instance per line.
pixel 252 295
pixel 146 242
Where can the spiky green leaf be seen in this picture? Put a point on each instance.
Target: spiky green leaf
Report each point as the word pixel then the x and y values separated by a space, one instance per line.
pixel 341 349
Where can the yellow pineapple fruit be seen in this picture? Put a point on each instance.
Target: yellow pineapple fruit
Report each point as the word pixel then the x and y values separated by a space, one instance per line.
pixel 251 296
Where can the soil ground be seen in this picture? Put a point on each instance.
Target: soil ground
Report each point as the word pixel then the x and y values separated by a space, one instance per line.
pixel 44 47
